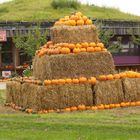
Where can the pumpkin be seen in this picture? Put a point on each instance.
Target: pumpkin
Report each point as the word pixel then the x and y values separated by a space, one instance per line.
pixel 112 106
pixel 68 81
pixel 97 49
pixel 88 22
pixel 122 104
pixel 83 80
pixel 65 50
pixel 78 45
pixel 132 104
pixel 94 108
pixel 130 74
pixel 61 81
pixel 92 44
pixel 116 76
pixel 104 49
pixel 81 107
pixel 84 18
pixel 75 81
pixel 55 81
pixel 76 50
pixel 29 110
pixel 138 75
pixel 127 103
pixel 83 50
pixel 71 46
pixel 67 109
pixel 106 106
pixel 110 77
pixel 72 22
pixel 74 108
pixel 78 14
pixel 101 45
pixel 100 106
pixel 123 75
pixel 117 105
pixel 66 17
pixel 138 103
pixel 102 78
pixel 47 82
pixel 80 22
pixel 90 49
pixel 85 45
pixel 93 80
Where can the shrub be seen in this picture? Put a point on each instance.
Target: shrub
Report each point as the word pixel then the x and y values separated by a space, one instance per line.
pixel 65 4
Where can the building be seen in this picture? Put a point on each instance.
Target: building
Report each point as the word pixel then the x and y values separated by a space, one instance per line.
pixel 12 59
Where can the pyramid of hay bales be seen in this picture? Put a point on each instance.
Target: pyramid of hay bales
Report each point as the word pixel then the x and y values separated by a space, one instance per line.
pixel 65 71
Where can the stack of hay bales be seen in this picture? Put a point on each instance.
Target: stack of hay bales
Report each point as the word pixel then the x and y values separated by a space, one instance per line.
pixel 71 65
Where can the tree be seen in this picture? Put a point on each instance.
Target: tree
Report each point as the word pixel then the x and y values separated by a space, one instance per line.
pixel 31 42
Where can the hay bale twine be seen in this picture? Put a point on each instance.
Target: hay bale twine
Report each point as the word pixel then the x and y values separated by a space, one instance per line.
pixel 107 92
pixel 131 88
pixel 73 65
pixel 13 92
pixel 74 34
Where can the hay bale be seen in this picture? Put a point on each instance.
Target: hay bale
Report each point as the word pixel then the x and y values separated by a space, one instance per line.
pixel 74 34
pixel 73 65
pixel 13 92
pixel 74 95
pixel 107 92
pixel 29 96
pixel 131 88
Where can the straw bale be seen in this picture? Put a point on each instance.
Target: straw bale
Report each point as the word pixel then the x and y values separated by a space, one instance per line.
pixel 13 92
pixel 131 88
pixel 74 34
pixel 107 92
pixel 73 65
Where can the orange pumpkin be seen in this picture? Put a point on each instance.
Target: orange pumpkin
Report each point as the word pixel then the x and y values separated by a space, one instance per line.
pixel 97 49
pixel 67 109
pixel 138 75
pixel 55 81
pixel 132 104
pixel 47 82
pixel 83 80
pixel 93 80
pixel 100 107
pixel 78 45
pixel 112 106
pixel 110 77
pixel 92 44
pixel 83 49
pixel 81 107
pixel 80 22
pixel 61 81
pixel 76 50
pixel 75 81
pixel 88 107
pixel 72 22
pixel 74 108
pixel 68 81
pixel 123 75
pixel 88 22
pixel 101 45
pixel 94 108
pixel 71 46
pixel 123 104
pixel 84 18
pixel 117 105
pixel 90 49
pixel 85 45
pixel 137 103
pixel 51 111
pixel 102 78
pixel 106 106
pixel 65 50
pixel 127 103
pixel 116 76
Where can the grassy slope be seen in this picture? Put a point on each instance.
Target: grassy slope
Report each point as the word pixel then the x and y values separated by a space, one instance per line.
pixel 116 124
pixel 34 10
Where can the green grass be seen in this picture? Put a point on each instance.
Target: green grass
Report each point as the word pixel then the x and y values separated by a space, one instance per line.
pixel 116 124
pixel 41 10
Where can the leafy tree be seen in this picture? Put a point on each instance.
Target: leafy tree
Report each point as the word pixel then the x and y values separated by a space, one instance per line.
pixel 31 42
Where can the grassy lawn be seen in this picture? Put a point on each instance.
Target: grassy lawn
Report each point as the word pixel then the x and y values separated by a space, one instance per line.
pixel 40 10
pixel 116 124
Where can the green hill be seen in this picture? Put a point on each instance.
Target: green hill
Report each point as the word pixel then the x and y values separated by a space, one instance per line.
pixel 41 10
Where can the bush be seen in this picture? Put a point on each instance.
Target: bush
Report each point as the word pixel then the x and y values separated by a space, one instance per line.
pixel 65 4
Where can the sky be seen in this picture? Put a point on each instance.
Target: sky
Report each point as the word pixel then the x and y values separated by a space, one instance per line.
pixel 128 6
